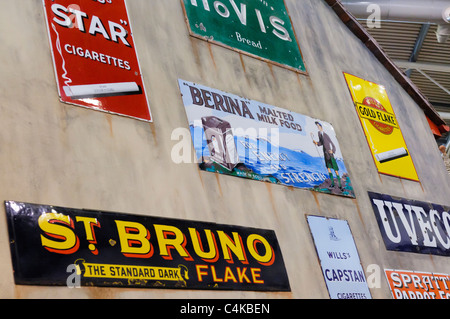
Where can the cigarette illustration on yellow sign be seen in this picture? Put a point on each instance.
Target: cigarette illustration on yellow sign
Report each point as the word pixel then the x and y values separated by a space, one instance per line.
pixel 380 126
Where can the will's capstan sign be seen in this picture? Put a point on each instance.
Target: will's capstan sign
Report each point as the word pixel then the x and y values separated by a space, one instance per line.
pixel 120 250
pixel 339 258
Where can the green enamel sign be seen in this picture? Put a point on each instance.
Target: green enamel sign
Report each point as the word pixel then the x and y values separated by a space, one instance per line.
pixel 260 28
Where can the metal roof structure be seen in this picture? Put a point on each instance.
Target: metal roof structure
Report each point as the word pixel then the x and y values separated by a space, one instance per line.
pixel 415 49
pixel 413 55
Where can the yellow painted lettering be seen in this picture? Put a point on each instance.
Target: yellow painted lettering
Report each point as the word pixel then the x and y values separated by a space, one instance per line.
pixel 134 239
pixel 234 245
pixel 269 256
pixel 211 255
pixel 60 228
pixel 170 237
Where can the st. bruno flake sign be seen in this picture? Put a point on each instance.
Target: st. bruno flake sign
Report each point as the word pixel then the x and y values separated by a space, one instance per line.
pixel 258 28
pixel 55 245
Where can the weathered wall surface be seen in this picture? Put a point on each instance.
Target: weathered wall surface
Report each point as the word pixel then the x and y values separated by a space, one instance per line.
pixel 59 154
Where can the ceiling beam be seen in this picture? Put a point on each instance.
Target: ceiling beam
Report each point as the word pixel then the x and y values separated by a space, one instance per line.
pixel 418 45
pixel 426 66
pixel 399 75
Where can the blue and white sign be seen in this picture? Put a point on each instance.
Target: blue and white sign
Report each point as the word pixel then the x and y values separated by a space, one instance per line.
pixel 236 136
pixel 412 226
pixel 339 258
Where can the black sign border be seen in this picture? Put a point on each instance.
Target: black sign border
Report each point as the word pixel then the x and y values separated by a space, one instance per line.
pixel 17 252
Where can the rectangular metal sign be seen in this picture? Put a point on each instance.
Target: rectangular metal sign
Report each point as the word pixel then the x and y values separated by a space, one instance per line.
pixel 63 246
pixel 412 226
pixel 383 134
pixel 94 56
pixel 406 284
pixel 261 29
pixel 240 137
pixel 339 258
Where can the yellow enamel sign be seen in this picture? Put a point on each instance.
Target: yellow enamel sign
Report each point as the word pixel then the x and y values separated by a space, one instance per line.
pixel 380 126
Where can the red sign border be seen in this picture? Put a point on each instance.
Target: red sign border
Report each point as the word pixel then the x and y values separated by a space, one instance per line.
pixel 150 120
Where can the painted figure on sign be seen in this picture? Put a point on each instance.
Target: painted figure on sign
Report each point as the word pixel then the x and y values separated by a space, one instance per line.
pixel 329 149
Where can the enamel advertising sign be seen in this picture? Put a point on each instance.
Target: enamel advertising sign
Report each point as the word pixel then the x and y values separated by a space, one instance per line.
pixel 244 138
pixel 94 56
pixel 63 246
pixel 380 126
pixel 405 284
pixel 412 226
pixel 339 258
pixel 261 29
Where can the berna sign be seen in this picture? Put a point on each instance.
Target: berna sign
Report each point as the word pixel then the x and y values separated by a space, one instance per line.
pixel 94 56
pixel 245 138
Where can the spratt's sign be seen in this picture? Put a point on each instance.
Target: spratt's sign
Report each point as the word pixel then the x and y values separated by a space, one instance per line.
pixel 255 27
pixel 50 245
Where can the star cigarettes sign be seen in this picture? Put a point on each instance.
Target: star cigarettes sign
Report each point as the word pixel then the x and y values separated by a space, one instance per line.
pixel 94 56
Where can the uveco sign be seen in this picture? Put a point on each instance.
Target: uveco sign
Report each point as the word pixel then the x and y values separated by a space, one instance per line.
pixel 412 226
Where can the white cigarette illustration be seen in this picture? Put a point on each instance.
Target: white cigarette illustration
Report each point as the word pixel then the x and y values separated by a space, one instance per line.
pixel 391 155
pixel 101 90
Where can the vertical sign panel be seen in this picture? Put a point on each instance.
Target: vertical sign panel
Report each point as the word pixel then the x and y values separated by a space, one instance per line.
pixel 380 126
pixel 95 58
pixel 261 29
pixel 245 138
pixel 339 258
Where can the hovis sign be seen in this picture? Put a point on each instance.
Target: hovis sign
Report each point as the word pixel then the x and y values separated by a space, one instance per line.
pixel 63 246
pixel 380 126
pixel 95 58
pixel 261 29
